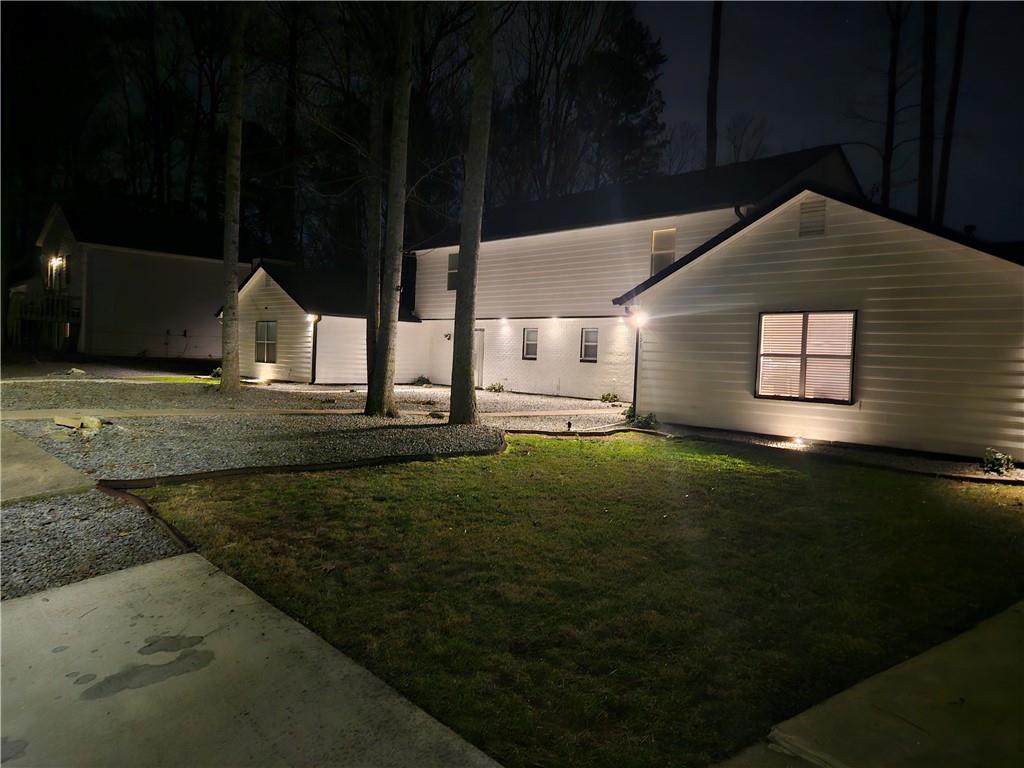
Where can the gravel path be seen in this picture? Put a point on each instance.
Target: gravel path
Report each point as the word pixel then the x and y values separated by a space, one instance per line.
pixel 64 539
pixel 554 423
pixel 83 394
pixel 154 447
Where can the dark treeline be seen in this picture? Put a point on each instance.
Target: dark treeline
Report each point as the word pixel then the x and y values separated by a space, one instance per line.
pixel 125 105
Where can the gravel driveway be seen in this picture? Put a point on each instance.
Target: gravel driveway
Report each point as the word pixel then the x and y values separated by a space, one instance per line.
pixel 62 539
pixel 154 447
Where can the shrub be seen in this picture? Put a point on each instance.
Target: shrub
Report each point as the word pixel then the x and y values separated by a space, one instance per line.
pixel 648 421
pixel 997 462
pixel 216 372
pixel 609 397
pixel 496 387
pixel 421 381
pixel 630 413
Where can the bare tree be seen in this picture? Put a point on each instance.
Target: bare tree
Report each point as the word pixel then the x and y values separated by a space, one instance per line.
pixel 746 136
pixel 380 396
pixel 230 381
pixel 927 139
pixel 683 151
pixel 711 132
pixel 374 190
pixel 950 123
pixel 897 13
pixel 463 396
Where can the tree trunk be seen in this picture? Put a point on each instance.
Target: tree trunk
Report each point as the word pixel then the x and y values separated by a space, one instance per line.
pixel 927 139
pixel 950 123
pixel 380 396
pixel 373 212
pixel 897 14
pixel 463 394
pixel 289 192
pixel 156 119
pixel 229 381
pixel 711 131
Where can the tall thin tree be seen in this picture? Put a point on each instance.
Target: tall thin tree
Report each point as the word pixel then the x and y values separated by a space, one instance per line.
pixel 711 129
pixel 463 395
pixel 373 192
pixel 380 396
pixel 927 138
pixel 230 381
pixel 897 13
pixel 949 126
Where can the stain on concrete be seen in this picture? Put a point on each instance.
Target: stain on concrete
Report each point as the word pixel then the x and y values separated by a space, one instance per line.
pixel 169 643
pixel 59 649
pixel 71 674
pixel 85 679
pixel 141 675
pixel 11 749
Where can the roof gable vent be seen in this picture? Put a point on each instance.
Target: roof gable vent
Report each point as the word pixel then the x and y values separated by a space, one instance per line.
pixel 812 217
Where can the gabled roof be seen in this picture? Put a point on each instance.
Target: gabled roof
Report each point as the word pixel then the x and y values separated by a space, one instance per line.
pixel 130 223
pixel 1008 251
pixel 322 291
pixel 723 187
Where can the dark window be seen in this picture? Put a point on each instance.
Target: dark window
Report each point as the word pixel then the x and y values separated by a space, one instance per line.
pixel 266 341
pixel 588 345
pixel 529 343
pixel 663 249
pixel 453 271
pixel 806 356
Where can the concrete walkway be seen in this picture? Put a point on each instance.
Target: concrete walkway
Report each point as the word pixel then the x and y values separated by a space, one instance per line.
pixel 959 704
pixel 27 470
pixel 174 663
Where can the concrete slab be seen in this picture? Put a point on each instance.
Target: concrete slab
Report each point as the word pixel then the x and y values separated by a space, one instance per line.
pixel 961 703
pixel 27 470
pixel 764 756
pixel 175 663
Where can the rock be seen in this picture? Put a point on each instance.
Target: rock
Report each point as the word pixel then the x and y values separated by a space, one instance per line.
pixel 76 372
pixel 91 423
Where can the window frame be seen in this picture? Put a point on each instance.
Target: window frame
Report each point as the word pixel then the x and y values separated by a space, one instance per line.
pixel 583 345
pixel 675 248
pixel 265 343
pixel 803 356
pixel 450 272
pixel 536 343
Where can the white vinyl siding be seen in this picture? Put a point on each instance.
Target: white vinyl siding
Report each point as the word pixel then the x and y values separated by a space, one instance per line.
pixel 806 356
pixel 588 345
pixel 263 299
pixel 561 274
pixel 939 348
pixel 663 249
pixel 341 351
pixel 530 338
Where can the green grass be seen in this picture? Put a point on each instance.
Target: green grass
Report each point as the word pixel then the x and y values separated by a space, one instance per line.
pixel 631 601
pixel 158 379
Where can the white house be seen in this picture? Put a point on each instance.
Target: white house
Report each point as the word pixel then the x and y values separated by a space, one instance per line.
pixel 124 284
pixel 545 275
pixel 823 317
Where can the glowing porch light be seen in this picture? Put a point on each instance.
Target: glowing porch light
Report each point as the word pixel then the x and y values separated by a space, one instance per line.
pixel 312 318
pixel 504 321
pixel 621 321
pixel 641 318
pixel 56 262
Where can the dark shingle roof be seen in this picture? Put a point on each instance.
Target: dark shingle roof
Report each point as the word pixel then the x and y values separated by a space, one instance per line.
pixel 722 187
pixel 325 292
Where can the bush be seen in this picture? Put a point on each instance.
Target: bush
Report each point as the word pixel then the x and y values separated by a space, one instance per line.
pixel 216 372
pixel 496 387
pixel 421 381
pixel 648 421
pixel 997 462
pixel 609 397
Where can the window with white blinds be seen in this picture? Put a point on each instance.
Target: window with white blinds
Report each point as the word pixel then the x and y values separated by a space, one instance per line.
pixel 806 356
pixel 663 249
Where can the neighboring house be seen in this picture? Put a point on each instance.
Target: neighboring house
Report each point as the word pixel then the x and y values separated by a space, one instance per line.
pixel 824 317
pixel 310 326
pixel 123 283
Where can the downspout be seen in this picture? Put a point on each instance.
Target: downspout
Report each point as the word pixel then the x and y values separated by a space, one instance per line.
pixel 83 342
pixel 312 368
pixel 636 358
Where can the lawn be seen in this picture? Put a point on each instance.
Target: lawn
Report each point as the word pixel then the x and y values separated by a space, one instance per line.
pixel 175 379
pixel 629 601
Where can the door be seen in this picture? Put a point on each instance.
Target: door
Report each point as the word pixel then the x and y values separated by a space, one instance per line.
pixel 478 356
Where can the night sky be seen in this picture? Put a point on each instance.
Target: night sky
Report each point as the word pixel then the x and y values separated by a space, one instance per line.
pixel 805 66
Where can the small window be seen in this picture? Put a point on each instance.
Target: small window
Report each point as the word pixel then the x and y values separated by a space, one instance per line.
pixel 806 356
pixel 453 271
pixel 812 218
pixel 588 345
pixel 663 249
pixel 266 341
pixel 529 343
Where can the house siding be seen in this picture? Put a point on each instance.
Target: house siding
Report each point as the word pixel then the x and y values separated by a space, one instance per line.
pixel 557 369
pixel 148 304
pixel 939 348
pixel 341 351
pixel 264 299
pixel 561 274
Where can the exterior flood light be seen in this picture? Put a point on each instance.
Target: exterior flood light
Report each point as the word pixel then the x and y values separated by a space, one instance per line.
pixel 641 319
pixel 311 318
